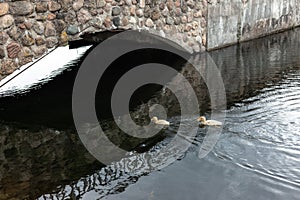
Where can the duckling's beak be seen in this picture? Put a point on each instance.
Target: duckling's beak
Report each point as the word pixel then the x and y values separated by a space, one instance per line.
pixel 198 119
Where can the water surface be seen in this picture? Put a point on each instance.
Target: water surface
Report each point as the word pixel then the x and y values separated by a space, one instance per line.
pixel 256 157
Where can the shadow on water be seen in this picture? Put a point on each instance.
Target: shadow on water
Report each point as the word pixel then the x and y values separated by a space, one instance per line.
pixel 42 156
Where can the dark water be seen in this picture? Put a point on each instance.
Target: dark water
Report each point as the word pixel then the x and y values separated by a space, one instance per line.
pixel 256 157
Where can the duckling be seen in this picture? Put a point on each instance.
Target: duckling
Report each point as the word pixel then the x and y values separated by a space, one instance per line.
pixel 155 120
pixel 205 122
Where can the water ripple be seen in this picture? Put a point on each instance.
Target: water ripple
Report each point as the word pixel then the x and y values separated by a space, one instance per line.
pixel 262 133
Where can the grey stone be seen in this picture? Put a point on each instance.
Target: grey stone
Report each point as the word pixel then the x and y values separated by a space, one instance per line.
pixel 2 52
pixel 41 7
pixel 25 56
pixel 176 20
pixel 65 4
pixel 3 38
pixel 38 50
pixel 51 42
pixel 60 25
pixel 100 3
pixel 169 20
pixel 19 19
pixel 116 21
pixel 60 15
pixel 70 17
pixel 147 11
pixel 128 2
pixel 190 3
pixel 126 11
pixel 21 8
pixel 49 29
pixel 149 23
pixel 184 19
pixel 14 33
pixel 78 5
pixel 53 6
pixel 72 29
pixel 116 11
pixel 38 27
pixel 8 66
pixel 184 8
pixel 83 16
pixel 139 13
pixel 165 12
pixel 41 17
pixel 6 21
pixel 161 6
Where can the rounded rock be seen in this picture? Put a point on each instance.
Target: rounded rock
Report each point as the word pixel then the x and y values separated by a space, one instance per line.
pixel 149 23
pixel 100 3
pixel 116 21
pixel 83 16
pixel 2 53
pixel 13 49
pixel 139 13
pixel 3 38
pixel 38 27
pixel 4 7
pixel 21 8
pixel 39 41
pixel 155 15
pixel 27 40
pixel 107 23
pixel 6 21
pixel 54 6
pixel 41 7
pixel 38 50
pixel 78 5
pixel 50 29
pixel 116 11
pixel 51 42
pixel 72 30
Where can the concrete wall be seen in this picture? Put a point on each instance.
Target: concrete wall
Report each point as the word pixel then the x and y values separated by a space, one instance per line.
pixel 232 21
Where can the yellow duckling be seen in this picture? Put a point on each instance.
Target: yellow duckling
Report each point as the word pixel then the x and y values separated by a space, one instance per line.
pixel 155 120
pixel 205 122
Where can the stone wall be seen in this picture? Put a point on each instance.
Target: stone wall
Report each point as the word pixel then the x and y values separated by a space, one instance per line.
pixel 29 28
pixel 232 21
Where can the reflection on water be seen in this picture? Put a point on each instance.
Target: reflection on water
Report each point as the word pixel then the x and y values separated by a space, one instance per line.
pixel 35 161
pixel 268 127
pixel 257 155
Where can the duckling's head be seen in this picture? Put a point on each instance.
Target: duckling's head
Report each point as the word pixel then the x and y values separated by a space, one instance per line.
pixel 154 119
pixel 201 119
